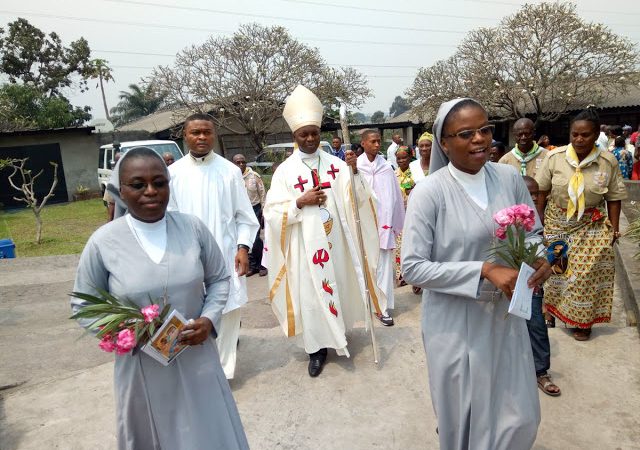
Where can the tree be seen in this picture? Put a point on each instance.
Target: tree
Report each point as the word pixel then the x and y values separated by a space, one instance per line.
pixel 38 69
pixel 27 55
pixel 25 185
pixel 399 105
pixel 544 60
pixel 99 69
pixel 26 107
pixel 377 117
pixel 358 117
pixel 245 79
pixel 140 101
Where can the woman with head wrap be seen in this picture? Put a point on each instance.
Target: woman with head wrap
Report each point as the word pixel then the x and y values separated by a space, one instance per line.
pixel 150 253
pixel 581 189
pixel 420 167
pixel 481 370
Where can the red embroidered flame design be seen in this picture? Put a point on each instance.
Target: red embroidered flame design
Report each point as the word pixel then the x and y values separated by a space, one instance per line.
pixel 332 309
pixel 321 257
pixel 385 227
pixel 326 287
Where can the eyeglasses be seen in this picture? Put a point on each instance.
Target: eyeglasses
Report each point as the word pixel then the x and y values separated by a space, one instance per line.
pixel 487 130
pixel 157 184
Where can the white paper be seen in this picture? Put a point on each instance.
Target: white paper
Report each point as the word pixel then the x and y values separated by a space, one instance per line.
pixel 521 299
pixel 163 345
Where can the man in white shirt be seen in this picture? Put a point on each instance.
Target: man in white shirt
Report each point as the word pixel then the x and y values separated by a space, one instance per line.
pixel 211 188
pixel 393 148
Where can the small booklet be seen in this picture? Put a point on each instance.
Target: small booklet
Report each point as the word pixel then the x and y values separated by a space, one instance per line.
pixel 521 299
pixel 164 345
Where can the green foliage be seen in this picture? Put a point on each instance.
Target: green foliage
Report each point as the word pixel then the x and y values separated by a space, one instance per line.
pixel 113 314
pixel 377 117
pixel 26 106
pixel 140 101
pixel 399 105
pixel 358 117
pixel 28 55
pixel 38 68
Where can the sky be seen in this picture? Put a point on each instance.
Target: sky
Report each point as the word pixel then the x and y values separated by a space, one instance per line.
pixel 388 41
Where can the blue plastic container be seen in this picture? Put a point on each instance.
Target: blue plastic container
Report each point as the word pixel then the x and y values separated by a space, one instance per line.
pixel 7 249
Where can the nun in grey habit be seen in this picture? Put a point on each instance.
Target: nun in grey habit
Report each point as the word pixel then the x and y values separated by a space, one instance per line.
pixel 188 404
pixel 481 371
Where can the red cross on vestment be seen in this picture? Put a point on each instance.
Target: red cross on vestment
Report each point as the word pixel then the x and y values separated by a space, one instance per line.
pixel 316 180
pixel 300 184
pixel 333 172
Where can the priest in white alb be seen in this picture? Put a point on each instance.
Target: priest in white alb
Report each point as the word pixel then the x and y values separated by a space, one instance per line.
pixel 316 278
pixel 211 188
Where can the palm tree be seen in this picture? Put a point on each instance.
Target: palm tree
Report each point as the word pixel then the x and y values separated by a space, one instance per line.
pixel 139 102
pixel 100 70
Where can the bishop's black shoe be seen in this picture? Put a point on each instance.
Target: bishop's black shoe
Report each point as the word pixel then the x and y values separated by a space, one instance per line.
pixel 316 362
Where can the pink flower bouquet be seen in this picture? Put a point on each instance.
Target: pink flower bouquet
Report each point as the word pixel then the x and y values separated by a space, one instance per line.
pixel 513 224
pixel 121 324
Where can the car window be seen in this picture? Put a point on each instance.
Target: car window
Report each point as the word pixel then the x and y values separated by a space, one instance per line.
pixel 101 158
pixel 161 148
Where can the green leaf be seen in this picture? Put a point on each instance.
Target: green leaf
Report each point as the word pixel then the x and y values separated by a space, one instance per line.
pixel 164 312
pixel 88 298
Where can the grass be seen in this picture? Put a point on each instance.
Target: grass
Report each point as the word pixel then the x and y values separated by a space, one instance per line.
pixel 65 228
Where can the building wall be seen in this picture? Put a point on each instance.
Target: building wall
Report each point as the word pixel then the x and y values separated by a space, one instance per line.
pixel 79 154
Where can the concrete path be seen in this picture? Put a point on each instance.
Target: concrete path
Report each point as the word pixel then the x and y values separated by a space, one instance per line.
pixel 58 388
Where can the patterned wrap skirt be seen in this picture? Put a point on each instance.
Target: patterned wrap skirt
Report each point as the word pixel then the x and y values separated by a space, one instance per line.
pixel 580 291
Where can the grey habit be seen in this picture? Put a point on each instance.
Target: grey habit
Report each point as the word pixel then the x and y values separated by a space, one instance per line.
pixel 188 404
pixel 481 371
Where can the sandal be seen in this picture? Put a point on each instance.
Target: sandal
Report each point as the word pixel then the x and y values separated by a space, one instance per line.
pixel 416 290
pixel 549 320
pixel 544 383
pixel 580 334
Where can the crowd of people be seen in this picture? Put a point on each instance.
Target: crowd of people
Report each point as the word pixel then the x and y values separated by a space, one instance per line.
pixel 342 230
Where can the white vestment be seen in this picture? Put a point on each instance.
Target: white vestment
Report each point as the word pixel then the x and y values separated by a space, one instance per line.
pixel 316 278
pixel 416 171
pixel 390 213
pixel 212 189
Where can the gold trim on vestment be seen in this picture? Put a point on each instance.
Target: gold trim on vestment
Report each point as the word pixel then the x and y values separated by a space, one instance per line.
pixel 291 320
pixel 373 211
pixel 372 289
pixel 283 234
pixel 276 282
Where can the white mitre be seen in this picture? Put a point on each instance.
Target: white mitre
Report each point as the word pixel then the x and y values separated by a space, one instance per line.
pixel 302 108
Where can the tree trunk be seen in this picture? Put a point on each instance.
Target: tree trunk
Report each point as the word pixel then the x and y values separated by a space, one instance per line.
pixel 104 99
pixel 38 226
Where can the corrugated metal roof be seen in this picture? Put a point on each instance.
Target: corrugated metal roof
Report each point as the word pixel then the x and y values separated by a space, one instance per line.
pixel 88 130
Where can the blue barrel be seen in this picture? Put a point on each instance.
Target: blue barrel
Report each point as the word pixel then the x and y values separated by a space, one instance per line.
pixel 7 249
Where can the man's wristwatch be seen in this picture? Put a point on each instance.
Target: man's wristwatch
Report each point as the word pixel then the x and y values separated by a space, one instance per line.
pixel 246 247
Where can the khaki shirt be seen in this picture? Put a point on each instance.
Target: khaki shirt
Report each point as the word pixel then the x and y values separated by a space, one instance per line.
pixel 532 166
pixel 602 179
pixel 255 187
pixel 107 197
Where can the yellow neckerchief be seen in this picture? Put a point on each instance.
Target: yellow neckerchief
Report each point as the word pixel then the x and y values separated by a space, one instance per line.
pixel 576 183
pixel 405 179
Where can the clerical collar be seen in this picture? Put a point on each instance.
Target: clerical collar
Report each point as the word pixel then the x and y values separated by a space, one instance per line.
pixel 203 159
pixel 313 155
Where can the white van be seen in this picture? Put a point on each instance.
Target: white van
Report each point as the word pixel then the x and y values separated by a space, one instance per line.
pixel 106 162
